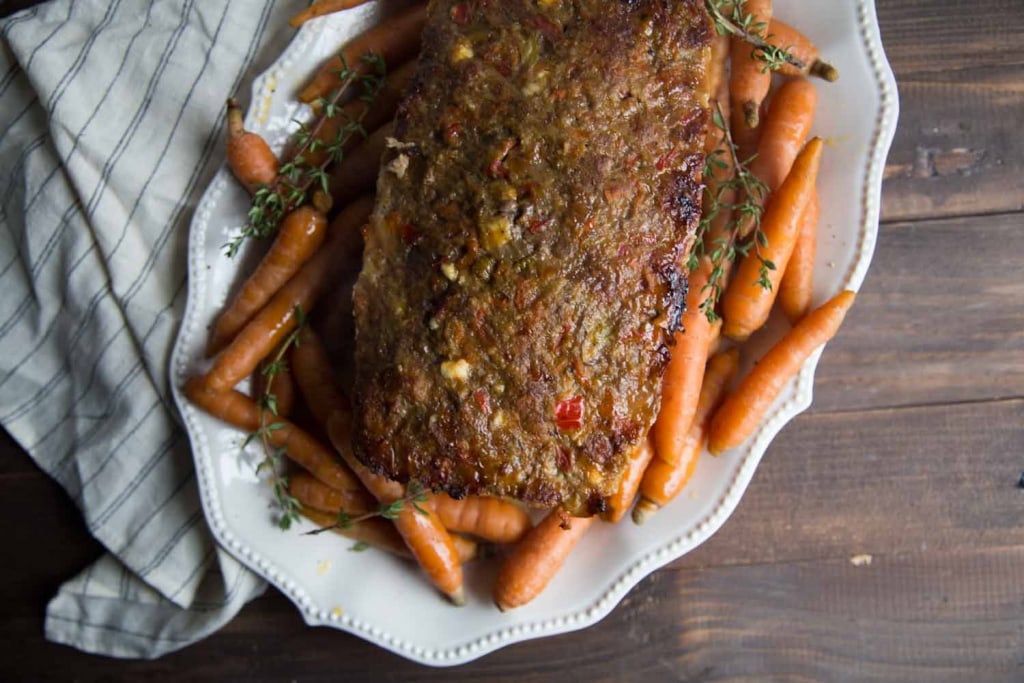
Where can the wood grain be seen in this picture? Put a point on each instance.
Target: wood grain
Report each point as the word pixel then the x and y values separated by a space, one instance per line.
pixel 940 318
pixel 911 455
pixel 925 479
pixel 943 532
pixel 958 150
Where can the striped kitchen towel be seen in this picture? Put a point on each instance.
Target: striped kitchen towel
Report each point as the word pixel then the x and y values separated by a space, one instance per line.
pixel 111 120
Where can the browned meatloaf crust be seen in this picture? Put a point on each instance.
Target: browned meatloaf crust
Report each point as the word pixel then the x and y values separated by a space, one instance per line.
pixel 523 272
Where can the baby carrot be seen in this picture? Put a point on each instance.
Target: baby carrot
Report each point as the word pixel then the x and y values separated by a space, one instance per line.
pixel 313 493
pixel 322 8
pixel 278 318
pixel 718 65
pixel 315 376
pixel 795 288
pixel 781 34
pixel 747 302
pixel 381 533
pixel 786 128
pixel 395 40
pixel 537 558
pixel 620 502
pixel 720 234
pixel 302 232
pixel 665 478
pixel 750 80
pixel 378 532
pixel 742 410
pixel 369 115
pixel 783 135
pixel 240 411
pixel 492 519
pixel 465 548
pixel 281 386
pixel 249 156
pixel 682 379
pixel 429 541
pixel 356 173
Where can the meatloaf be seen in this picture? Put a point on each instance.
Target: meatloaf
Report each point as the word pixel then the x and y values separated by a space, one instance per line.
pixel 524 266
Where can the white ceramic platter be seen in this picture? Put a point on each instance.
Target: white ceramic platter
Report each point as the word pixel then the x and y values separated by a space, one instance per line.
pixel 386 600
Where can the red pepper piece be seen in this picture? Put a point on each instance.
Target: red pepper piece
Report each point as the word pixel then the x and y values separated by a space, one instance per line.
pixel 569 413
pixel 460 13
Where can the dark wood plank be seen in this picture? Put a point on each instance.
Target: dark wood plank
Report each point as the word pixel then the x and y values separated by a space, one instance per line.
pixel 940 617
pixel 940 318
pixel 935 479
pixel 930 492
pixel 44 529
pixel 958 65
pixel 882 465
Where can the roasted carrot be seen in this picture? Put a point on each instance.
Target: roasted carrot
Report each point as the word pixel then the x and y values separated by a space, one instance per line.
pixel 795 288
pixel 466 548
pixel 315 376
pixel 783 135
pixel 302 232
pixel 718 199
pixel 322 8
pixel 278 318
pixel 369 115
pixel 430 543
pixel 248 154
pixel 747 302
pixel 620 502
pixel 327 504
pixel 240 411
pixel 743 409
pixel 537 558
pixel 715 344
pixel 356 173
pixel 377 532
pixel 786 128
pixel 665 478
pixel 781 34
pixel 718 72
pixel 279 386
pixel 313 493
pixel 682 378
pixel 492 519
pixel 749 80
pixel 395 40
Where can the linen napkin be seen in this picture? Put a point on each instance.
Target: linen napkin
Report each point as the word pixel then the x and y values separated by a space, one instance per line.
pixel 111 120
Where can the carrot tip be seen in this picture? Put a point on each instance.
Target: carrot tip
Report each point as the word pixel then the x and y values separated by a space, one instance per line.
pixel 738 336
pixel 752 114
pixel 458 596
pixel 644 510
pixel 825 71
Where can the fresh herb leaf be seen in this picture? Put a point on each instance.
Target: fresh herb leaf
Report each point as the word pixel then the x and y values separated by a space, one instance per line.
pixel 299 177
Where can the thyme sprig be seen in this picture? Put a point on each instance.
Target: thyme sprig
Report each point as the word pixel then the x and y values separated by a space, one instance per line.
pixel 729 17
pixel 288 505
pixel 745 209
pixel 414 496
pixel 306 170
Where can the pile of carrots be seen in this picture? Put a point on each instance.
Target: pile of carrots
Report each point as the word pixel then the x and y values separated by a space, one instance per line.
pixel 701 407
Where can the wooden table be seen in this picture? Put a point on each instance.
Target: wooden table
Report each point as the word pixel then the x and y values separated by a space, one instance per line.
pixel 911 455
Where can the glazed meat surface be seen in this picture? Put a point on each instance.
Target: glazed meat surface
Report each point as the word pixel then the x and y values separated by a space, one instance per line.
pixel 524 266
